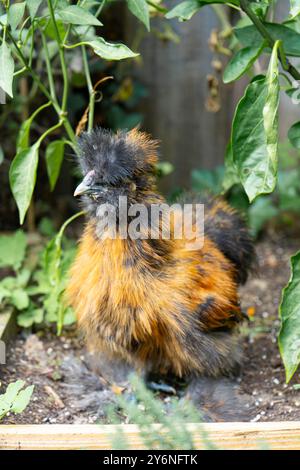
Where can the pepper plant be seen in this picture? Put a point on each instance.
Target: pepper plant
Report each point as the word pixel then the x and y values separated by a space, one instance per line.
pixel 34 31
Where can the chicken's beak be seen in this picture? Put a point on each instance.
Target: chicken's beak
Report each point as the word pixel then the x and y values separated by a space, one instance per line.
pixel 82 188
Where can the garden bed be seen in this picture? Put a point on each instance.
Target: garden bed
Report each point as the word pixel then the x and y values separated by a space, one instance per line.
pixel 52 363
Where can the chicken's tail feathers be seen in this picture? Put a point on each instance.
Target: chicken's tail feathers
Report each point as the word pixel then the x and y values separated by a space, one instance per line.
pixel 227 229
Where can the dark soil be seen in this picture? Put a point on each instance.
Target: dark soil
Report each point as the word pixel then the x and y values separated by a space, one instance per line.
pixel 59 397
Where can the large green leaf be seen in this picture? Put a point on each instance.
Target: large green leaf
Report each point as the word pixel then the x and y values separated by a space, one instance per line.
pixel 289 336
pixel 260 212
pixel 22 177
pixel 12 249
pixel 241 62
pixel 33 6
pixel 54 158
pixel 185 10
pixel 15 14
pixel 249 140
pixel 74 14
pixel 290 38
pixel 141 10
pixel 270 115
pixel 231 176
pixel 111 51
pixel 255 133
pixel 6 69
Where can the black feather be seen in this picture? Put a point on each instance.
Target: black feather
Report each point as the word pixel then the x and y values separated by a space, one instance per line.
pixel 113 157
pixel 229 232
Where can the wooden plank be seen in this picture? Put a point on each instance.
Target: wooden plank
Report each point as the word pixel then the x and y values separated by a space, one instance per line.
pixel 175 76
pixel 271 435
pixel 8 326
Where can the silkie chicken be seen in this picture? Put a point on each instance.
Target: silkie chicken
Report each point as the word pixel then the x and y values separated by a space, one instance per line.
pixel 158 305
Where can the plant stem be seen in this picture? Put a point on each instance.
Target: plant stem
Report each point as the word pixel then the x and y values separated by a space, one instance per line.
pixel 30 219
pixel 44 90
pixel 270 41
pixel 86 69
pixel 49 68
pixel 62 59
pixel 90 88
pixel 99 9
pixel 48 131
pixel 220 13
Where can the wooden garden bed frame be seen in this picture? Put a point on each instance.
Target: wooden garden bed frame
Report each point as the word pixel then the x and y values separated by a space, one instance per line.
pixel 235 436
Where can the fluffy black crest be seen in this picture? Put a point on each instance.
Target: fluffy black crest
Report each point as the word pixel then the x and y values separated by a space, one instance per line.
pixel 114 157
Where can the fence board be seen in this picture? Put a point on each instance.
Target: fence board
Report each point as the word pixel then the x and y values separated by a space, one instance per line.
pixel 272 435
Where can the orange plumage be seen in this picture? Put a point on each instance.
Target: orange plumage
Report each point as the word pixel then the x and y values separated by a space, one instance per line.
pixel 155 303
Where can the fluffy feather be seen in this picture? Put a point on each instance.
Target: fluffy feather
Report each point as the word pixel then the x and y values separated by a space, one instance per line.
pixel 155 303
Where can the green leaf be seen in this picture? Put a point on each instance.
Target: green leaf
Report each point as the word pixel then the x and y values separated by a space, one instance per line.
pixel 111 51
pixel 241 62
pixel 290 39
pixel 24 132
pixel 22 400
pixel 23 135
pixel 294 135
pixel 33 6
pixel 30 316
pixel 12 249
pixel 270 114
pixel 289 311
pixel 260 212
pixel 15 14
pixel 4 293
pixel 140 9
pixel 23 277
pixel 22 177
pixel 69 316
pixel 164 168
pixel 249 140
pixel 15 399
pixel 54 158
pixel 74 14
pixel 7 67
pixel 231 176
pixel 208 180
pixel 185 10
pixel 20 299
pixel 49 28
pixel 12 391
pixel 255 133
